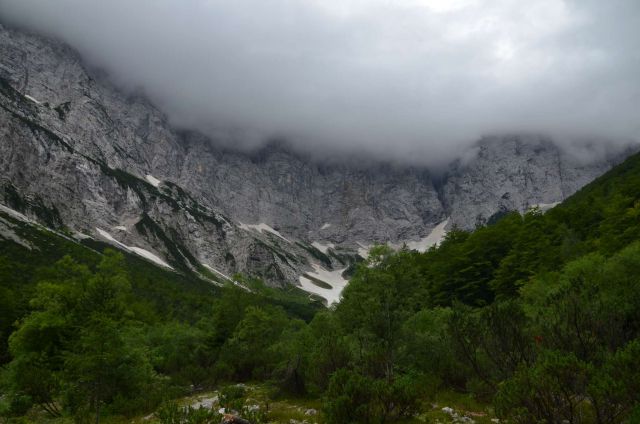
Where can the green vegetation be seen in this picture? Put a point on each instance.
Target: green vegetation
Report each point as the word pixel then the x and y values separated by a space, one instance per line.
pixel 317 282
pixel 534 318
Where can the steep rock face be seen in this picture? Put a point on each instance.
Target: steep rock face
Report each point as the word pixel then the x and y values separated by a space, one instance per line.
pixel 76 153
pixel 273 185
pixel 310 200
pixel 516 172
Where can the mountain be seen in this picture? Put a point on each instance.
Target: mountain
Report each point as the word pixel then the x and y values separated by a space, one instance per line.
pixel 529 309
pixel 80 156
pixel 532 317
pixel 515 173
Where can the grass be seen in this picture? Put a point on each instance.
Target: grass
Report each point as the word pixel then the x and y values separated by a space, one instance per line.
pixel 463 404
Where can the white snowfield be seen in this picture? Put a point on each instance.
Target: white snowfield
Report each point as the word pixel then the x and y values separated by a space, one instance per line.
pixel 325 226
pixel 323 247
pixel 332 278
pixel 153 180
pixel 261 228
pixel 137 250
pixel 121 228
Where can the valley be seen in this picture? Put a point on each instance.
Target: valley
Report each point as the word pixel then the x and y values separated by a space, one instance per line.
pixel 153 271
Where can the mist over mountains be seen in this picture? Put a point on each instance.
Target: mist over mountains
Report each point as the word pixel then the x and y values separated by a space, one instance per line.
pixel 411 80
pixel 354 211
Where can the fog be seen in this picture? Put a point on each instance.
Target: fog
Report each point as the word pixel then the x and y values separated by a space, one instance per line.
pixel 407 79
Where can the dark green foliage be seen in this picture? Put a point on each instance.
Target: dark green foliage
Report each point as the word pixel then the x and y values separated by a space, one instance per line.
pixel 614 389
pixel 356 398
pixel 77 344
pixel 322 348
pixel 492 342
pixel 317 282
pixel 248 352
pixel 547 391
pixel 93 337
pixel 351 398
pixel 232 397
pixel 542 305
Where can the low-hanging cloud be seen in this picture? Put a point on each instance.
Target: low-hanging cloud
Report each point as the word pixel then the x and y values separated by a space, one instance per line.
pixel 411 78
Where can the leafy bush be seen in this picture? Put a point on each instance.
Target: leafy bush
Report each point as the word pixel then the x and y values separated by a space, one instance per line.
pixel 352 398
pixel 552 390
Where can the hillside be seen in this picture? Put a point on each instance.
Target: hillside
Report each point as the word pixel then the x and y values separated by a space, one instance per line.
pixel 534 317
pixel 79 154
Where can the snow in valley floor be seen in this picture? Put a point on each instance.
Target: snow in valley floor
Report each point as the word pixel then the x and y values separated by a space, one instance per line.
pixel 332 278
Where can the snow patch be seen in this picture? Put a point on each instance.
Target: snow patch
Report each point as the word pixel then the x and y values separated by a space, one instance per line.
pixel 146 254
pixel 235 282
pixel 323 247
pixel 26 96
pixel 325 226
pixel 7 233
pixel 332 278
pixel 137 250
pixel 544 206
pixel 261 228
pixel 121 228
pixel 363 250
pixel 434 238
pixel 210 268
pixel 14 213
pixel 152 180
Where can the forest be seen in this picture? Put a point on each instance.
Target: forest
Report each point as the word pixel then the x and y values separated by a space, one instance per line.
pixel 536 316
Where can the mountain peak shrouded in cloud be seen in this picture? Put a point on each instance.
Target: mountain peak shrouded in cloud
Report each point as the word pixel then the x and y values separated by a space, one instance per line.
pixel 406 78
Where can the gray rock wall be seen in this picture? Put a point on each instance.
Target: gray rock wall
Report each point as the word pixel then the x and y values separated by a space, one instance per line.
pixel 76 153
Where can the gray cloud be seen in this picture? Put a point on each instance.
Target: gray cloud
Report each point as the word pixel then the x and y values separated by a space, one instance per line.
pixel 413 79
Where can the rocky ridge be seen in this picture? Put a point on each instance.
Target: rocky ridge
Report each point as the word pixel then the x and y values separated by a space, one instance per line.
pixel 79 155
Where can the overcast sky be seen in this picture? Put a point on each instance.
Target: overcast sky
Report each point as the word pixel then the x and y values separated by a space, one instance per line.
pixel 415 78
